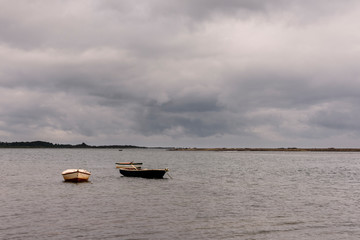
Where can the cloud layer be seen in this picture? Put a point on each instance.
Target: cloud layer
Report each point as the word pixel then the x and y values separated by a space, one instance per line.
pixel 181 73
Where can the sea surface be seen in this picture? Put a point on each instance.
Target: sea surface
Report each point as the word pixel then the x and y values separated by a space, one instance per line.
pixel 208 195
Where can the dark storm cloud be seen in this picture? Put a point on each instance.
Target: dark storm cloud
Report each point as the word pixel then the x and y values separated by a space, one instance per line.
pixel 288 91
pixel 224 73
pixel 207 10
pixel 192 104
pixel 344 117
pixel 200 124
pixel 188 115
pixel 30 116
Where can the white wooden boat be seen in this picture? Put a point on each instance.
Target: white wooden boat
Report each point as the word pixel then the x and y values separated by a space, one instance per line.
pixel 128 164
pixel 76 175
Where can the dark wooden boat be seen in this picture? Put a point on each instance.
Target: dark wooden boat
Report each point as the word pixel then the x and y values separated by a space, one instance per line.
pixel 143 173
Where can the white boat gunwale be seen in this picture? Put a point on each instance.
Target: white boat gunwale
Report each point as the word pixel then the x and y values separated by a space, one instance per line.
pixel 74 170
pixel 64 174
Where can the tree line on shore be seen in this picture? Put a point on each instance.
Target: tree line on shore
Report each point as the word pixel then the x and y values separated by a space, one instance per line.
pixel 42 144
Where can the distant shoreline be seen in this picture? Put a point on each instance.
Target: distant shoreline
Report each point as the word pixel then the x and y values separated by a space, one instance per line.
pixel 270 149
pixel 42 144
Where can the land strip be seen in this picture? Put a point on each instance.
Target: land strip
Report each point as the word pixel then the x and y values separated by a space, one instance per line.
pixel 271 149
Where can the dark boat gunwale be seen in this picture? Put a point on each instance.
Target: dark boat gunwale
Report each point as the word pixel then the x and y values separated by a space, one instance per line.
pixel 128 163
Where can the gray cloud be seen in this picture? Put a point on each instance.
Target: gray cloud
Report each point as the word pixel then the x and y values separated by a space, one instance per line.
pixel 202 73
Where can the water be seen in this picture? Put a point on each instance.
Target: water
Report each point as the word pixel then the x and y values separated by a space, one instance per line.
pixel 212 195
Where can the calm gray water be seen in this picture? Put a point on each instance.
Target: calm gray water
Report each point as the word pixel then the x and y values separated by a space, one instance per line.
pixel 212 195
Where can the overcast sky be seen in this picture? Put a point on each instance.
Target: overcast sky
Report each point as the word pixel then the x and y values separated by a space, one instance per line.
pixel 202 73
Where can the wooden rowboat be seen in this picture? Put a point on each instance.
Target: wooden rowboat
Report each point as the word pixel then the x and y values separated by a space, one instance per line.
pixel 76 175
pixel 128 164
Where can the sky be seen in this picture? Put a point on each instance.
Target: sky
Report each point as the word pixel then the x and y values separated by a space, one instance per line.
pixel 190 73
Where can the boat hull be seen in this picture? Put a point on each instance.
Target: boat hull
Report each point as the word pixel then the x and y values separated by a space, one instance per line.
pixel 143 173
pixel 76 175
